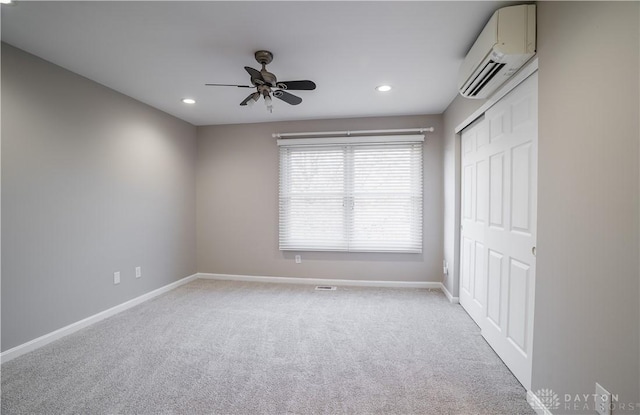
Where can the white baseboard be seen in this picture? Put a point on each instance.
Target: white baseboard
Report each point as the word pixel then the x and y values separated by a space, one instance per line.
pixel 537 404
pixel 450 297
pixel 322 281
pixel 72 328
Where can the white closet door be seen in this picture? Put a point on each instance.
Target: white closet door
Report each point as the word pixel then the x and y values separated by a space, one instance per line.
pixel 498 236
pixel 475 171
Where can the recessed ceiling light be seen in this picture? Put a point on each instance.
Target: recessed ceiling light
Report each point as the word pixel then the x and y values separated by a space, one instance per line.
pixel 188 100
pixel 6 1
pixel 383 88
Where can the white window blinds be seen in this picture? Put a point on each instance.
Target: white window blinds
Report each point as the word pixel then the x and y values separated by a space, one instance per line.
pixel 362 194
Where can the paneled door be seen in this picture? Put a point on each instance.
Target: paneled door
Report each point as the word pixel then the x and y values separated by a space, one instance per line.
pixel 475 217
pixel 498 219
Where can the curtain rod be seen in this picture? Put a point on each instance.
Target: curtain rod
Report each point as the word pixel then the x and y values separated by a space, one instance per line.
pixel 349 133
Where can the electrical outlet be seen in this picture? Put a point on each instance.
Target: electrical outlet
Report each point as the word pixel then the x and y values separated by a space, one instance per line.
pixel 116 277
pixel 298 259
pixel 603 400
pixel 138 272
pixel 445 267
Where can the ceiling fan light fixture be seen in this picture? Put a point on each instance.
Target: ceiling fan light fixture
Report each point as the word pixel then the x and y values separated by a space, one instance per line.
pixel 268 102
pixel 254 98
pixel 383 88
pixel 189 101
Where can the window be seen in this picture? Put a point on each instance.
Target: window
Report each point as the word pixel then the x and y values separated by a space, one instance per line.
pixel 351 194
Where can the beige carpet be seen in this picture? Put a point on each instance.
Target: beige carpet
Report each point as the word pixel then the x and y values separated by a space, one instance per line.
pixel 249 348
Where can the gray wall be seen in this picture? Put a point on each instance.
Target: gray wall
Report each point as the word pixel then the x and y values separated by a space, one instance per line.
pixel 586 313
pixel 92 182
pixel 459 109
pixel 237 201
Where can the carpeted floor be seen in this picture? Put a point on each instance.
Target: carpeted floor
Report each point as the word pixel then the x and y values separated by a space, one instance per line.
pixel 249 348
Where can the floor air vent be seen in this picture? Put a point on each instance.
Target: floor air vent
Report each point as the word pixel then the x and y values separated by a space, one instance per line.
pixel 326 288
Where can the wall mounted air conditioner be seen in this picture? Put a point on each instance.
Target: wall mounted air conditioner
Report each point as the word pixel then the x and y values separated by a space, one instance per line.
pixel 506 43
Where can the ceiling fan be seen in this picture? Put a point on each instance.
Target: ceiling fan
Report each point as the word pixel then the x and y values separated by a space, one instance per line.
pixel 267 84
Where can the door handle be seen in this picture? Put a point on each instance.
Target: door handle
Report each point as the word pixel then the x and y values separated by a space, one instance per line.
pixel 533 251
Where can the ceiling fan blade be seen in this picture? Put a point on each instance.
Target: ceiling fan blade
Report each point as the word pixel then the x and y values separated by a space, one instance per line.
pixel 239 86
pixel 256 76
pixel 297 85
pixel 247 99
pixel 287 97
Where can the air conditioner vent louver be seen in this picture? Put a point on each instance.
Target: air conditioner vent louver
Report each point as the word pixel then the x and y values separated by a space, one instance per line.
pixel 480 81
pixel 505 44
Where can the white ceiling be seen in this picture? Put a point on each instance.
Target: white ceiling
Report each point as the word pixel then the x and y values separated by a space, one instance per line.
pixel 159 52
